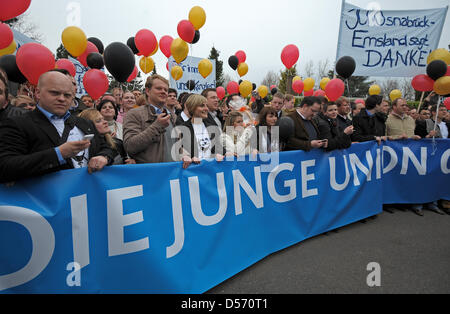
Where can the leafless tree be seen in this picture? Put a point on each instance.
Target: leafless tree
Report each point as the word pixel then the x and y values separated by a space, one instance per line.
pixel 26 26
pixel 308 69
pixel 271 78
pixel 388 85
pixel 407 89
pixel 323 67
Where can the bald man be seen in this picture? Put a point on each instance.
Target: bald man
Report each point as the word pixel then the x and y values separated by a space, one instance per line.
pixel 50 139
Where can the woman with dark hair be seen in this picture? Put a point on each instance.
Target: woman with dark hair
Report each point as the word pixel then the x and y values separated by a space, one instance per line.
pixel 328 128
pixel 266 143
pixel 109 111
pixel 103 128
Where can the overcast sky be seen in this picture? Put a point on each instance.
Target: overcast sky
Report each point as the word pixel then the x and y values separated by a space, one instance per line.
pixel 261 28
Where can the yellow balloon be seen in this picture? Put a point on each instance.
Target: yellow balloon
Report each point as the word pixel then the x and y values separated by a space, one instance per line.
pixel 309 84
pixel 242 69
pixel 176 72
pixel 295 79
pixel 395 94
pixel 146 64
pixel 263 91
pixel 156 50
pixel 442 86
pixel 179 50
pixel 324 82
pixel 439 54
pixel 245 88
pixel 374 90
pixel 9 50
pixel 74 40
pixel 205 67
pixel 197 17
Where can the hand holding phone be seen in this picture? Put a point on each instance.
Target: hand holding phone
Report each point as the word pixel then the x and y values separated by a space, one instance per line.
pixel 88 137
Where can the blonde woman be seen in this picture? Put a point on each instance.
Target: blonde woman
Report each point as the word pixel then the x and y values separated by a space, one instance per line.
pixel 103 128
pixel 200 138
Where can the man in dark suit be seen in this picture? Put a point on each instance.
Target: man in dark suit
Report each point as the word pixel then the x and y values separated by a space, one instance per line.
pixel 342 119
pixel 49 138
pixel 306 133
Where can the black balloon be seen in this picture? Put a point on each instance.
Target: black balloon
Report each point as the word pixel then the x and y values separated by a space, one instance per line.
pixel 233 61
pixel 196 37
pixel 119 60
pixel 8 63
pixel 95 60
pixel 98 43
pixel 436 69
pixel 286 127
pixel 191 85
pixel 254 86
pixel 274 91
pixel 240 81
pixel 132 45
pixel 345 66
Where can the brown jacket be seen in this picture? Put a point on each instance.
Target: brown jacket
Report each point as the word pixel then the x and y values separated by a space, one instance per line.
pixel 143 136
pixel 300 139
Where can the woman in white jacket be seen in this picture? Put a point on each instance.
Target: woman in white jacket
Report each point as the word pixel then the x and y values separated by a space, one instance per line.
pixel 236 139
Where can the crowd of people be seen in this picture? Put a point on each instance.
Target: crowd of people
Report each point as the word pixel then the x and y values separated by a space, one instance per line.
pixel 45 129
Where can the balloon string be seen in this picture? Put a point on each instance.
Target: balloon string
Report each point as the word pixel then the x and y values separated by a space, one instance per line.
pixel 435 126
pixel 348 89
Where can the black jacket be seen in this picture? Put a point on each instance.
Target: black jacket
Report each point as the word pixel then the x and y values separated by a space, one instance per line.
pixel 367 127
pixel 328 129
pixel 11 111
pixel 343 123
pixel 27 146
pixel 189 142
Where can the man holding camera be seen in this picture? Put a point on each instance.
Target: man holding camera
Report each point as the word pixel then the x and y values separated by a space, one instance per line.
pixel 147 129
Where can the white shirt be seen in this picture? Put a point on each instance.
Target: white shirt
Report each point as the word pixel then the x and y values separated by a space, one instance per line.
pixel 203 140
pixel 444 129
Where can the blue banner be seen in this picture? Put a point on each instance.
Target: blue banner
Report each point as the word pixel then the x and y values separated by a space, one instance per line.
pixel 387 42
pixel 157 228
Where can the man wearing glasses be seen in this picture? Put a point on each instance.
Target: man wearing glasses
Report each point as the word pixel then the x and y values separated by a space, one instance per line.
pixel 306 134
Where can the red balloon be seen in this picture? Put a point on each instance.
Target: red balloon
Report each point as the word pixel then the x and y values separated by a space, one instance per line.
pixel 447 103
pixel 133 75
pixel 448 71
pixel 220 92
pixel 6 35
pixel 66 64
pixel 164 44
pixel 422 83
pixel 96 83
pixel 10 9
pixel 335 89
pixel 233 88
pixel 186 31
pixel 145 42
pixel 360 101
pixel 241 56
pixel 167 66
pixel 309 93
pixel 89 49
pixel 290 55
pixel 319 92
pixel 33 60
pixel 298 86
pixel 272 87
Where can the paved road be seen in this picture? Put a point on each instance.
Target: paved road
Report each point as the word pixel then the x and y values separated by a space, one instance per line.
pixel 413 252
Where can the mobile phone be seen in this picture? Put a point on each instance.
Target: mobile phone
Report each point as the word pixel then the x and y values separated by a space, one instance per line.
pixel 88 137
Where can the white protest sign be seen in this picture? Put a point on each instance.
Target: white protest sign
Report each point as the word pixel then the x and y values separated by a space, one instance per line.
pixel 389 43
pixel 190 72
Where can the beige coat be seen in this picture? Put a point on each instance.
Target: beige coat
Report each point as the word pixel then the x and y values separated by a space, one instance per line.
pixel 396 126
pixel 143 136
